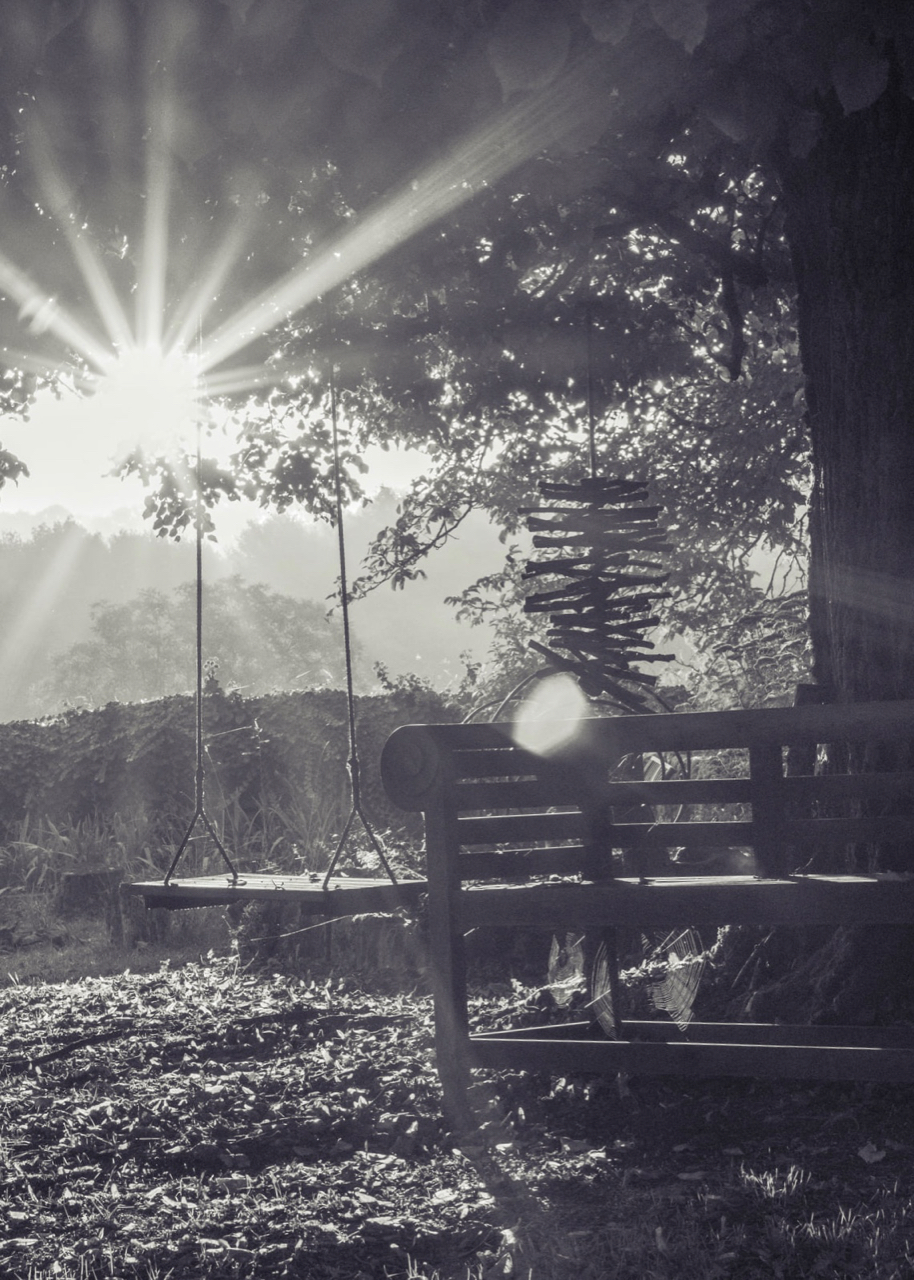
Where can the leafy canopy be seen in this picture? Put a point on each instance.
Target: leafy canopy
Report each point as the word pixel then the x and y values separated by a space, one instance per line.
pixel 458 183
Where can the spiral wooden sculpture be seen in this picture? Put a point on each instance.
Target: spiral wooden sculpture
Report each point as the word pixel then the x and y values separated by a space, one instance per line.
pixel 606 544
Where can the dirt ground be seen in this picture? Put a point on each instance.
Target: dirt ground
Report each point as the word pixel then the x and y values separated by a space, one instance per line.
pixel 210 1121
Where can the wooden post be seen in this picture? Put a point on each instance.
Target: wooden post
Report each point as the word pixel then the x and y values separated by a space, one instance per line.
pixel 766 790
pixel 801 757
pixel 447 958
pixel 597 856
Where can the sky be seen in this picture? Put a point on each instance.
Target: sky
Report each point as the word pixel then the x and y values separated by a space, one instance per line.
pixel 69 444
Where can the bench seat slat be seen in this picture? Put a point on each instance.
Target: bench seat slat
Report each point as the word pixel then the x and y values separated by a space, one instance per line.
pixel 700 900
pixel 529 828
pixel 833 832
pixel 544 791
pixel 842 786
pixel 663 1031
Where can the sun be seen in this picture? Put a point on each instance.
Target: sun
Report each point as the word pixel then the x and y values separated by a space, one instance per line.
pixel 142 361
pixel 150 397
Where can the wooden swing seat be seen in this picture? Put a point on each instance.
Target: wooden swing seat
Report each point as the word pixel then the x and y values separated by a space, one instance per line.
pixel 344 895
pixel 519 839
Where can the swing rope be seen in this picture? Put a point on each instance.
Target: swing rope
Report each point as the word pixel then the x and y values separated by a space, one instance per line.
pixel 352 764
pixel 200 814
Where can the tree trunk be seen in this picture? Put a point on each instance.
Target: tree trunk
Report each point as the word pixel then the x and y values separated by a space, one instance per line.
pixel 850 224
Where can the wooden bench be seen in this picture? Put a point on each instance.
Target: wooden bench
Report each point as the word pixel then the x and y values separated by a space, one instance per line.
pixel 516 836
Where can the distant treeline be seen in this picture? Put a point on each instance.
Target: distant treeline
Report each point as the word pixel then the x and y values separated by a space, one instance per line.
pixel 62 587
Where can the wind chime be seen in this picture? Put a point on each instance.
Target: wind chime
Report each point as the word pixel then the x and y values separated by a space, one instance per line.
pixel 606 547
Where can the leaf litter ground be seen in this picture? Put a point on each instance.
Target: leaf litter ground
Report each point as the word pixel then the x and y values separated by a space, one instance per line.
pixel 211 1122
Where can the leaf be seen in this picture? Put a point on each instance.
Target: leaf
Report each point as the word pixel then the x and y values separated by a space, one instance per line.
pixel 574 1146
pixel 609 20
pixel 871 1154
pixel 740 105
pixel 684 21
pixel 803 134
pixel 529 47
pixel 859 74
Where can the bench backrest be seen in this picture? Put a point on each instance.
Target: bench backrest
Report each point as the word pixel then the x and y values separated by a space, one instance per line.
pixel 498 810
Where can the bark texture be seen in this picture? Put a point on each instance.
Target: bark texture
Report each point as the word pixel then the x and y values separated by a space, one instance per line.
pixel 850 223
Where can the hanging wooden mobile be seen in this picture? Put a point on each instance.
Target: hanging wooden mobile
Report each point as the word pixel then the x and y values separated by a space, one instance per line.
pixel 607 545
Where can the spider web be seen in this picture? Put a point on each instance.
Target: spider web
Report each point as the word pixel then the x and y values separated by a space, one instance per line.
pixel 671 972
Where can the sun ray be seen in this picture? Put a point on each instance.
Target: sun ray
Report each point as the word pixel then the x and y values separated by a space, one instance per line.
pixel 144 357
pixel 40 366
pixel 515 135
pixel 150 309
pixel 43 313
pixel 150 294
pixel 100 286
pixel 194 305
pixel 93 273
pixel 251 377
pixel 26 623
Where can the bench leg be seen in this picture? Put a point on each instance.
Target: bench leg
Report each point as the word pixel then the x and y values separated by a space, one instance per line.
pixel 452 1052
pixel 447 957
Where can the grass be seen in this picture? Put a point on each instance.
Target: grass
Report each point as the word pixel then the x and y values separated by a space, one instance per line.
pixel 82 948
pixel 564 1180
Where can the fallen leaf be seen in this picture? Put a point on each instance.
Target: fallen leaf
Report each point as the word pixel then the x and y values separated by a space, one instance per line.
pixel 871 1154
pixel 571 1146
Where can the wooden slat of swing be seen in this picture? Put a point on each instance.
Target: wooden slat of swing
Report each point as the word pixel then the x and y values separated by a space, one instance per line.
pixel 343 895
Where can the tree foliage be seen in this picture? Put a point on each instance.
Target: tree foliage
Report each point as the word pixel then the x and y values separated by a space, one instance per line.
pixel 460 183
pixel 280 756
pixel 254 639
pixel 723 186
